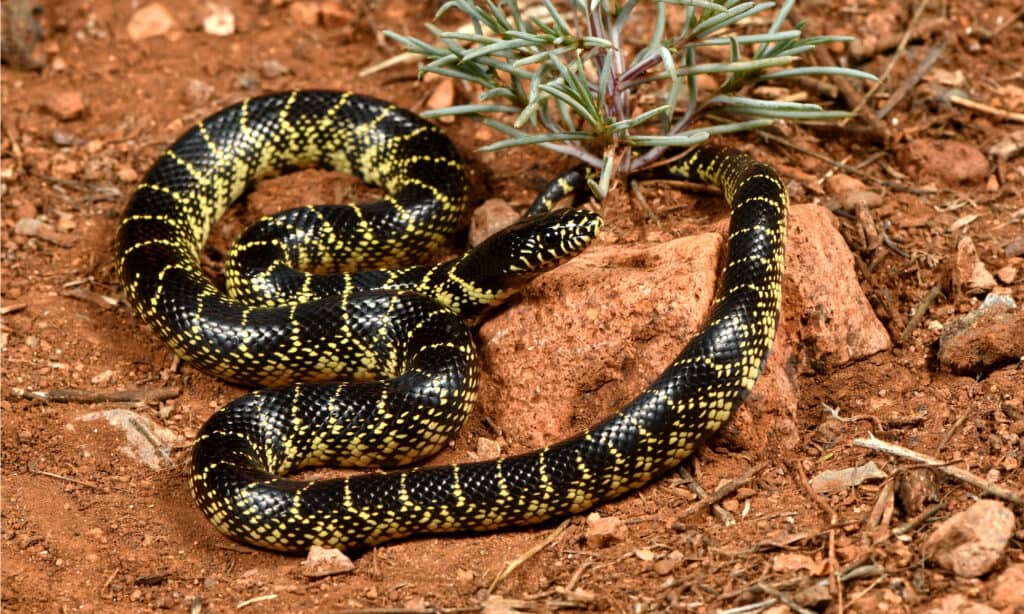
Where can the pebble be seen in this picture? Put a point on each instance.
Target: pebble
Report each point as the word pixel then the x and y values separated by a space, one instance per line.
pixel 323 562
pixel 1014 248
pixel 970 543
pixel 1008 589
pixel 67 105
pixel 948 161
pixel 273 68
pixel 490 217
pixel 304 13
pixel 983 339
pixel 220 21
pixel 150 21
pixel 25 211
pixel 1007 274
pixel 841 183
pixel 957 604
pixel 197 92
pixel 487 449
pixel 604 531
pixel 970 276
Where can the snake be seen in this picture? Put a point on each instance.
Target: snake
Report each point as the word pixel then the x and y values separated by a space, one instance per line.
pixel 360 346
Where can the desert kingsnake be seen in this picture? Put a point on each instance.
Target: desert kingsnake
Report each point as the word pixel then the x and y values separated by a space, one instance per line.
pixel 419 353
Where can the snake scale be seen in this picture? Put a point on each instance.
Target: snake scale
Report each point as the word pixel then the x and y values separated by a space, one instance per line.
pixel 392 331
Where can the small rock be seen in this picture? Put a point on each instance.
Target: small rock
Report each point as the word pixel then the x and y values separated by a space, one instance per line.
pixel 67 105
pixel 1007 274
pixel 25 211
pixel 465 579
pixel 487 449
pixel 323 562
pixel 815 596
pixel 947 161
pixel 604 531
pixel 786 562
pixel 970 543
pixel 957 604
pixel 197 92
pixel 862 198
pixel 220 21
pixel 442 96
pixel 666 566
pixel 969 273
pixel 840 184
pixel 841 479
pixel 336 14
pixel 915 489
pixel 490 217
pixel 984 339
pixel 273 68
pixel 1014 247
pixel 150 21
pixel 1008 589
pixel 304 13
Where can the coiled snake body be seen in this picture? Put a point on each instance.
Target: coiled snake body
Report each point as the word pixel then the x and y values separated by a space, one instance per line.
pixel 396 334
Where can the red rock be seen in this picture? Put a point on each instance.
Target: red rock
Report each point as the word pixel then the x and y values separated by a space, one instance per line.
pixel 957 604
pixel 1008 588
pixel 604 531
pixel 67 105
pixel 970 543
pixel 970 276
pixel 586 338
pixel 490 217
pixel 150 21
pixel 986 338
pixel 304 13
pixel 946 161
pixel 323 562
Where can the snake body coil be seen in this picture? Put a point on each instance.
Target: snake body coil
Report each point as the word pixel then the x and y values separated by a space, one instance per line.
pixel 395 333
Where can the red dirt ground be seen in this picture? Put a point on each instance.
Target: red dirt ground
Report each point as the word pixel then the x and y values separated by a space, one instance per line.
pixel 85 527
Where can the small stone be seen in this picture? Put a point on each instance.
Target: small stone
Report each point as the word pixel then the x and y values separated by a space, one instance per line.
pixel 969 273
pixel 1014 247
pixel 915 489
pixel 948 161
pixel 304 13
pixel 273 68
pixel 197 92
pixel 731 505
pixel 323 562
pixel 787 562
pixel 840 184
pixel 1007 274
pixel 150 21
pixel 442 96
pixel 604 531
pixel 666 566
pixel 957 604
pixel 862 198
pixel 127 174
pixel 970 543
pixel 67 105
pixel 465 578
pixel 336 14
pixel 25 211
pixel 220 21
pixel 815 596
pixel 984 339
pixel 487 449
pixel 490 217
pixel 1008 589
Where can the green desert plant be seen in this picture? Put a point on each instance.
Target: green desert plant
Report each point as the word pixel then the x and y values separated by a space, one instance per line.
pixel 594 80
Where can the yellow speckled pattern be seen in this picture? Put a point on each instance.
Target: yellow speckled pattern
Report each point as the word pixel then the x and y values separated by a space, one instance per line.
pixel 395 335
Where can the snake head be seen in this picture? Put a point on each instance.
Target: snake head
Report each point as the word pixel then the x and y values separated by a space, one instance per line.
pixel 515 255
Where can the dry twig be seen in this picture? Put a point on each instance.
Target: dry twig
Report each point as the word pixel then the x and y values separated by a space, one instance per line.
pixel 961 474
